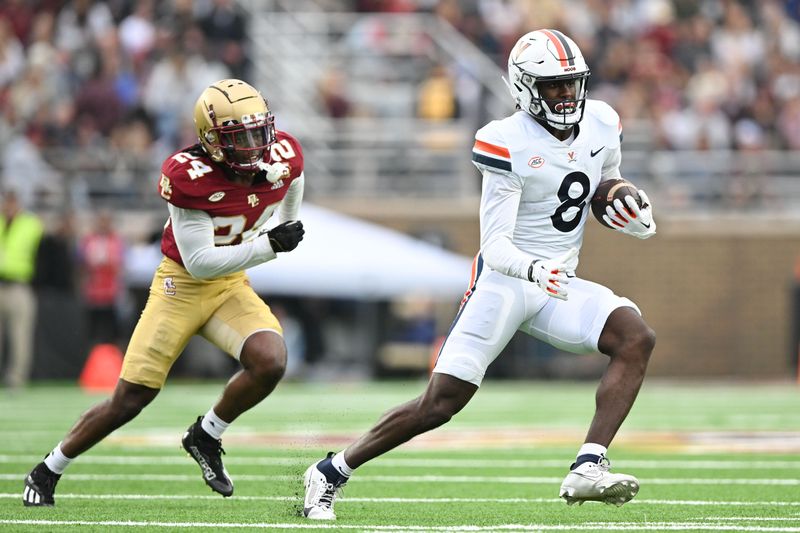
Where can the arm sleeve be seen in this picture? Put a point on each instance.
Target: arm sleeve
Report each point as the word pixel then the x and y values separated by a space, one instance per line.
pixel 194 235
pixel 498 214
pixel 290 206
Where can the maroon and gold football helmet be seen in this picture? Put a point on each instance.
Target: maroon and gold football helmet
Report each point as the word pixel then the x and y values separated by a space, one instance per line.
pixel 234 124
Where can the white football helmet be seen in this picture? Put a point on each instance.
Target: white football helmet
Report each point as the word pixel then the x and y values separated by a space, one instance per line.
pixel 547 55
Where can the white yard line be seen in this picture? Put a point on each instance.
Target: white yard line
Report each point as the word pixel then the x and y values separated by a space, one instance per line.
pixel 589 526
pixel 474 438
pixel 346 499
pixel 179 459
pixel 512 480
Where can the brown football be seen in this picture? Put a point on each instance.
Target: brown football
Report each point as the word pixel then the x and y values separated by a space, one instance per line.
pixel 608 191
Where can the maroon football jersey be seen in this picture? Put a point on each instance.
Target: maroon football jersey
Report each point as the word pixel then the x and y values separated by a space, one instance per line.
pixel 191 180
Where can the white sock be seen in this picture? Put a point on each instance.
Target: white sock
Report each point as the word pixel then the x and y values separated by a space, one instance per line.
pixel 213 425
pixel 57 461
pixel 592 449
pixel 339 464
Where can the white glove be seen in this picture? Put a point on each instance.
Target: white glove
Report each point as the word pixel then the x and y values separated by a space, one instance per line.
pixel 550 274
pixel 632 220
pixel 275 171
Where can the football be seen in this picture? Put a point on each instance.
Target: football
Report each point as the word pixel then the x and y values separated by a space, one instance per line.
pixel 607 192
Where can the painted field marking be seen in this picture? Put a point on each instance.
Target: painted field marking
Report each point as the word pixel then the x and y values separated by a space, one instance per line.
pixel 178 459
pixel 348 499
pixel 511 480
pixel 589 526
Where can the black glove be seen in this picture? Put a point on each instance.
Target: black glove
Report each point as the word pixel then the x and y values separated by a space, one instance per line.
pixel 285 237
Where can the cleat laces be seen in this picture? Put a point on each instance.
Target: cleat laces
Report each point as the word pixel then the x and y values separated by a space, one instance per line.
pixel 329 495
pixel 40 486
pixel 48 483
pixel 214 451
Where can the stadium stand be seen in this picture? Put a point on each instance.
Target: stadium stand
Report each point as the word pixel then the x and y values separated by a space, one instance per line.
pixel 387 95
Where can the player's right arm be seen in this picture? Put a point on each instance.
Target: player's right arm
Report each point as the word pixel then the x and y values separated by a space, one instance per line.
pixel 499 203
pixel 194 235
pixel 500 198
pixel 193 229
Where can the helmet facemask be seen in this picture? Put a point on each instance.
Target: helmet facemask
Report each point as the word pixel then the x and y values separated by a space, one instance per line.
pixel 244 144
pixel 235 125
pixel 561 113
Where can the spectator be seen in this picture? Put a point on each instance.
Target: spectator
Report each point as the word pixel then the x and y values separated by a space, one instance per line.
pixel 436 97
pixel 180 73
pixel 21 233
pixel 60 344
pixel 137 32
pixel 102 253
pixel 25 170
pixel 225 29
pixel 80 23
pixel 56 260
pixel 12 55
pixel 20 15
pixel 333 94
pixel 32 92
pixel 98 97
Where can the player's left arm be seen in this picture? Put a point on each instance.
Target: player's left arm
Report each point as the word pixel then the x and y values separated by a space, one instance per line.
pixel 288 151
pixel 290 205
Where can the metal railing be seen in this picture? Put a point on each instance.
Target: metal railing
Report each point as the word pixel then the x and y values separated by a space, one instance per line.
pixel 435 164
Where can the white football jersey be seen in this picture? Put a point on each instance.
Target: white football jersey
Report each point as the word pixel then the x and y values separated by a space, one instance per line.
pixel 537 189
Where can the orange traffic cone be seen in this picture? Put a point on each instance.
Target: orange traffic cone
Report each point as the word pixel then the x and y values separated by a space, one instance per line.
pixel 102 369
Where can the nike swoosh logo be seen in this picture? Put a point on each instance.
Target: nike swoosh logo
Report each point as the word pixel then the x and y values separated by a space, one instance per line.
pixel 595 152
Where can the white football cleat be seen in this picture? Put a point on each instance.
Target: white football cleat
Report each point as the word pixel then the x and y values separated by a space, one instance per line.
pixel 320 495
pixel 593 482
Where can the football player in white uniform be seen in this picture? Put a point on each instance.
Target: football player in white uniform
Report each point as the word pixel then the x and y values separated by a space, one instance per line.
pixel 540 168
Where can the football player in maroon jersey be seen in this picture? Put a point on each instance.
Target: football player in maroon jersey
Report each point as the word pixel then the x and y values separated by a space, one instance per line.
pixel 220 194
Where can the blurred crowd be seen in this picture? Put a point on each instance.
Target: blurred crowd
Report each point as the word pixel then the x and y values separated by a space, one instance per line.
pixel 708 74
pixel 95 93
pixel 89 79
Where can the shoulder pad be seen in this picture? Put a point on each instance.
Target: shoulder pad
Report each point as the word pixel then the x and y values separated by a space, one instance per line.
pixel 605 114
pixel 491 151
pixel 287 149
pixel 181 182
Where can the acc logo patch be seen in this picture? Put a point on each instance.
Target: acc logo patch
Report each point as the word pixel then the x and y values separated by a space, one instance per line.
pixel 217 196
pixel 536 161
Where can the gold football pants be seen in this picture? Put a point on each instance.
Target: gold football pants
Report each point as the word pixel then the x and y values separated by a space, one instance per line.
pixel 225 310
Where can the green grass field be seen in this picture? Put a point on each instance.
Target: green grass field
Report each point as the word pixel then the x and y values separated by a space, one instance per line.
pixel 710 457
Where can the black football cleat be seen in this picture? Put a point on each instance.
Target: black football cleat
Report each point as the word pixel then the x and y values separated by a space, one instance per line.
pixel 207 452
pixel 40 487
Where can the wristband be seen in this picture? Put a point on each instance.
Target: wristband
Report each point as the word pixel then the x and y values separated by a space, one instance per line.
pixel 530 270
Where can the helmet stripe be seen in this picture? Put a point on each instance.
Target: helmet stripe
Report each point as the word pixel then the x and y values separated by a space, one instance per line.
pixel 563 48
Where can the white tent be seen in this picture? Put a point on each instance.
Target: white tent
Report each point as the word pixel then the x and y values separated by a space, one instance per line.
pixel 344 257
